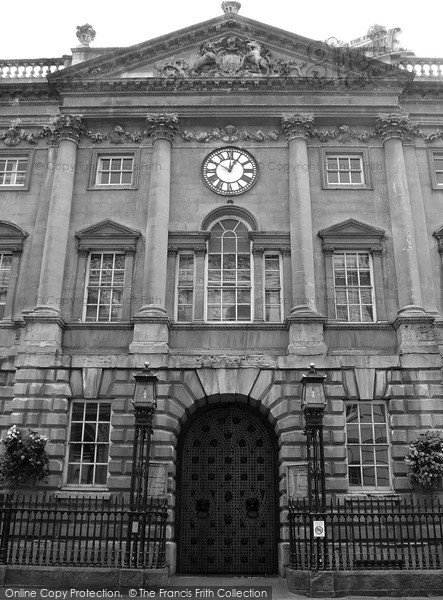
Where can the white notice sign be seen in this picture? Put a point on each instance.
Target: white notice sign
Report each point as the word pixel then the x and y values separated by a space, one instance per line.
pixel 318 528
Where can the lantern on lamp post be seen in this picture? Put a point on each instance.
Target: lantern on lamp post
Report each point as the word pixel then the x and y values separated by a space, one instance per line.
pixel 313 405
pixel 145 403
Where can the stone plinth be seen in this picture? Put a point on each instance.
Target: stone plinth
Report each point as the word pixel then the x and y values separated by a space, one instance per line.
pixel 151 336
pixel 415 334
pixel 306 334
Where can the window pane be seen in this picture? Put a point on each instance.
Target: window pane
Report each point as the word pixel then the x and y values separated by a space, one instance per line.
pixel 184 313
pixel 76 432
pixel 353 287
pixel 354 455
pixel 88 442
pixel 332 177
pixel 273 314
pixel 381 456
pixel 379 413
pixel 105 285
pixel 229 271
pixel 214 313
pixel 351 413
pixel 365 278
pixel 126 178
pixel 369 476
pixel 244 313
pixel 365 448
pixel 353 434
pixel 367 456
pixel 383 476
pixel 354 476
pixel 214 261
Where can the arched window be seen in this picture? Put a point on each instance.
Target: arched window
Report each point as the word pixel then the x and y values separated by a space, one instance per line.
pixel 229 281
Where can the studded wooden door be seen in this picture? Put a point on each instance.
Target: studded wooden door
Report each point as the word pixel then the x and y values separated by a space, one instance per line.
pixel 227 513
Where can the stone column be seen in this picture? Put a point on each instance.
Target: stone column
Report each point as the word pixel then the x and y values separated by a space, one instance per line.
pixel 413 325
pixel 151 324
pixel 45 323
pixel 304 321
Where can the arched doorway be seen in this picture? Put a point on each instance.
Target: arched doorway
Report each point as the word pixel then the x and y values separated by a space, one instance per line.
pixel 227 496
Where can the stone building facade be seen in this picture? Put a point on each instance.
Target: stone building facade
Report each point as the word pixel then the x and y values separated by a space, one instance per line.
pixel 230 202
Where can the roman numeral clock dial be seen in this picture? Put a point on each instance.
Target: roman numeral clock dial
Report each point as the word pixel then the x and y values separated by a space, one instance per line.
pixel 230 171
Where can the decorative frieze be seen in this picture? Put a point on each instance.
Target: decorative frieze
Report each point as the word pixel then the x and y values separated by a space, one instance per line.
pixel 343 134
pixel 162 126
pixel 297 125
pixel 228 134
pixel 396 125
pixel 14 136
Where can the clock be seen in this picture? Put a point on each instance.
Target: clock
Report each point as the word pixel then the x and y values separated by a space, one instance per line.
pixel 230 171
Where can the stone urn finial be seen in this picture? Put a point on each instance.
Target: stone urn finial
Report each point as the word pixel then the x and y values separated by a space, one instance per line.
pixel 85 34
pixel 230 7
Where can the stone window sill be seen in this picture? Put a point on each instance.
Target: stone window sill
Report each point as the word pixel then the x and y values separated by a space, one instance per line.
pixel 83 492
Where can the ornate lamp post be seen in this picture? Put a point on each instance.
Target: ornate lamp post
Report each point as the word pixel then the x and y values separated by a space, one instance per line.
pixel 145 403
pixel 313 406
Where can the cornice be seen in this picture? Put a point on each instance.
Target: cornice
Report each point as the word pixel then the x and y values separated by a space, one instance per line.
pixel 160 85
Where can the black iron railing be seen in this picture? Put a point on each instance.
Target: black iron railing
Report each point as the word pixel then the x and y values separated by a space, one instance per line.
pixel 367 534
pixel 90 532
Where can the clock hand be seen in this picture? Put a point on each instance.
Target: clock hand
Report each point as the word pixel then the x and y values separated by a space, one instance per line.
pixel 231 160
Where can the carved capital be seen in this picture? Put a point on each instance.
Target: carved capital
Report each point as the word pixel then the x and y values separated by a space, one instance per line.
pixel 162 126
pixel 172 251
pixel 258 251
pixel 200 250
pixel 69 127
pixel 395 125
pixel 285 250
pixel 297 125
pixel 376 251
pixel 328 250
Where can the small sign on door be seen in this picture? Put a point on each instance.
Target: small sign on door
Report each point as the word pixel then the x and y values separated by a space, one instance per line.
pixel 318 528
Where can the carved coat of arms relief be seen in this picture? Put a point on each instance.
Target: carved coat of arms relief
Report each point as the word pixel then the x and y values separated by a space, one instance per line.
pixel 231 56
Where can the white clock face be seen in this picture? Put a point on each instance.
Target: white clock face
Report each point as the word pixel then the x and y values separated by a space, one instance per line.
pixel 230 171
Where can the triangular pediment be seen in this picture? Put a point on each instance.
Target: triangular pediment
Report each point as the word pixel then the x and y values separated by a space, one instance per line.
pixel 107 235
pixel 229 46
pixel 352 233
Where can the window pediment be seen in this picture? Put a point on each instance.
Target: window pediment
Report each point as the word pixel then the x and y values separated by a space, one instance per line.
pixel 11 237
pixel 352 234
pixel 107 234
